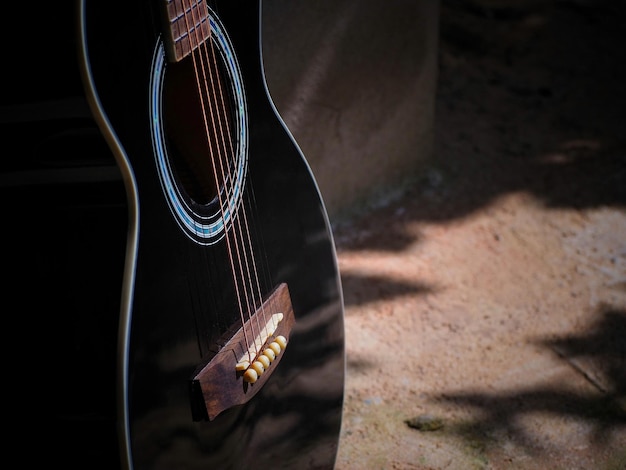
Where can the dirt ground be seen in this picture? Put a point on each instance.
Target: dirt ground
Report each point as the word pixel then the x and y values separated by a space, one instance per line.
pixel 486 304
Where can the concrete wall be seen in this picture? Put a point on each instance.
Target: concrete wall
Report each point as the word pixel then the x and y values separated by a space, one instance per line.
pixel 355 82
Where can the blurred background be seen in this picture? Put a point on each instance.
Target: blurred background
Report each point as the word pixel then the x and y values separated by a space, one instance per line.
pixel 472 156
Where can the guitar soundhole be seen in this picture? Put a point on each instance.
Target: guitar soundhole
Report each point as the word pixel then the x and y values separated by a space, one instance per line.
pixel 197 116
pixel 199 127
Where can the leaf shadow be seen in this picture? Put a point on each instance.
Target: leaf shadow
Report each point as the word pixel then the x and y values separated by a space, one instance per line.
pixel 362 289
pixel 603 409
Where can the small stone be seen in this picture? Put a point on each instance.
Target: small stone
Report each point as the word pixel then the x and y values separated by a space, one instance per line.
pixel 425 423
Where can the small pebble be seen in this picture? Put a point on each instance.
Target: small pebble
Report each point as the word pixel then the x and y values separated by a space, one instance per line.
pixel 425 423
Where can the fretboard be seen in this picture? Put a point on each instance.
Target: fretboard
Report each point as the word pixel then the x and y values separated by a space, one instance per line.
pixel 187 27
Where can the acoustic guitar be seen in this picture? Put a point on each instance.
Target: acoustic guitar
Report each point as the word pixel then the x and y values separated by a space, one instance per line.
pixel 176 291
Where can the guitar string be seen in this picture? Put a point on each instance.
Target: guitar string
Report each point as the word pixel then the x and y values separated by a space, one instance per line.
pixel 248 239
pixel 244 233
pixel 201 96
pixel 249 272
pixel 265 271
pixel 241 232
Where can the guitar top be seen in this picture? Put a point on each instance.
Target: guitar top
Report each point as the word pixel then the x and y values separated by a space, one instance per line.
pixel 170 253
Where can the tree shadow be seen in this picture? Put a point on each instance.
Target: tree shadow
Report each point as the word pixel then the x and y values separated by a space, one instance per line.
pixel 603 409
pixel 527 102
pixel 530 99
pixel 605 350
pixel 363 289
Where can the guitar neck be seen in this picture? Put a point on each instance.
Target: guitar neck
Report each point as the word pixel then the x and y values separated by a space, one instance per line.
pixel 187 27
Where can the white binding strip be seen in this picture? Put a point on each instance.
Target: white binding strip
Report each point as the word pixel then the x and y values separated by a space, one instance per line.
pixel 131 243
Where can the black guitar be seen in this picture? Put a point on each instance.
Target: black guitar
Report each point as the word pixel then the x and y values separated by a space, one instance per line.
pixel 177 299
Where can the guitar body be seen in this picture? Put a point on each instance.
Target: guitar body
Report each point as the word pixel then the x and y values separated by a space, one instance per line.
pixel 153 240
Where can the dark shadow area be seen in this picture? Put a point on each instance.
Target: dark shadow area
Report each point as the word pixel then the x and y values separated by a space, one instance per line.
pixel 359 365
pixel 362 289
pixel 603 409
pixel 362 237
pixel 600 355
pixel 530 99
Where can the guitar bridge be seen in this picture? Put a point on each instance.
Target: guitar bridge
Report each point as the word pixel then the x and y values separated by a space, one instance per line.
pixel 241 367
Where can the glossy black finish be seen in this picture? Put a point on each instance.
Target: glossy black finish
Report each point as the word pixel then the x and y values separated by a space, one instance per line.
pixel 183 294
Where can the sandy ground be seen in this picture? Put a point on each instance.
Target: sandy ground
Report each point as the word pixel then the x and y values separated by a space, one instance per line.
pixel 486 305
